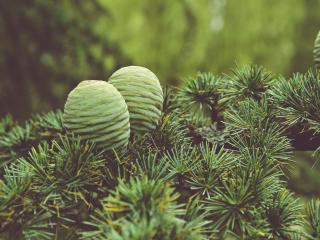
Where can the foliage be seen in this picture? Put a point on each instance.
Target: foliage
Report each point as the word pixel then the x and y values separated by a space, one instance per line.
pixel 298 99
pixel 170 183
pixel 200 99
pixel 283 214
pixel 313 218
pixel 249 114
pixel 17 140
pixel 146 209
pixel 248 82
pixel 20 217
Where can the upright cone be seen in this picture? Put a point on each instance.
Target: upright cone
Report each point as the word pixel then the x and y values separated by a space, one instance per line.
pixel 96 111
pixel 143 94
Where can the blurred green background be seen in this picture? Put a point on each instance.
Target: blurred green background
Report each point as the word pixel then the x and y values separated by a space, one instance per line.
pixel 47 47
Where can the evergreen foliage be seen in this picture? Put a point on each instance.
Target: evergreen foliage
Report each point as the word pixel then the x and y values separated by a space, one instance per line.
pixel 178 181
pixel 248 81
pixel 298 99
pixel 313 219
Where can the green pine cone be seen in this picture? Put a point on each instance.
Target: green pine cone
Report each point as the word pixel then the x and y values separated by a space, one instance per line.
pixel 316 52
pixel 96 111
pixel 143 94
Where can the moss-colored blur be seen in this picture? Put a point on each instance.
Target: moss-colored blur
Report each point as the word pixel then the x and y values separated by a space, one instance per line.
pixel 47 47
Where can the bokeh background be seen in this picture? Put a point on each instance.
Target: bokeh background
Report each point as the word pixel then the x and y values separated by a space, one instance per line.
pixel 47 47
